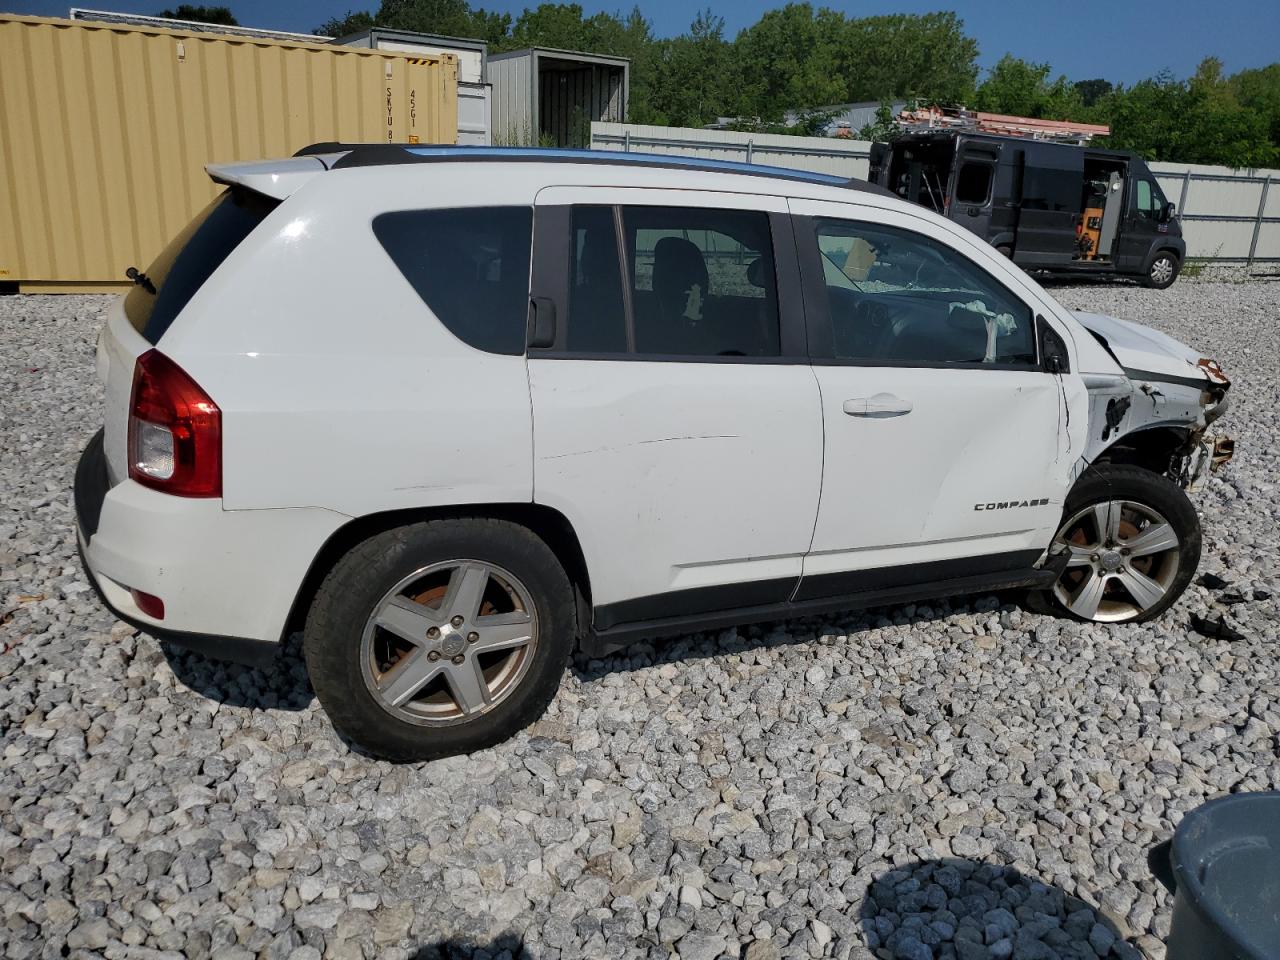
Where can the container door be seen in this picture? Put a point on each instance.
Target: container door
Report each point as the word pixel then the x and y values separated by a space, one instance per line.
pixel 1052 190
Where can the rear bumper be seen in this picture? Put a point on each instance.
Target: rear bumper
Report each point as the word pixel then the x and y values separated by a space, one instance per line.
pixel 228 578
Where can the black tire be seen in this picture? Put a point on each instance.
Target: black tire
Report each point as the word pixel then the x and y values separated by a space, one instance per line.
pixel 1156 277
pixel 357 584
pixel 1108 482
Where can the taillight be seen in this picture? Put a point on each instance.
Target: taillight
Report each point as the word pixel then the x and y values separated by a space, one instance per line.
pixel 175 431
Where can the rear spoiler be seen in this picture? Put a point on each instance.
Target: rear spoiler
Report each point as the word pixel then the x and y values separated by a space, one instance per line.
pixel 271 178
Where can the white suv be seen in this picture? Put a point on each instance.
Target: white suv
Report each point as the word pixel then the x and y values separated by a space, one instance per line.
pixel 455 413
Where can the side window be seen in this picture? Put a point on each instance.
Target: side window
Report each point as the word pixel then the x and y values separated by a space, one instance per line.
pixel 973 182
pixel 702 282
pixel 899 297
pixel 470 266
pixel 1050 188
pixel 1148 199
pixel 597 313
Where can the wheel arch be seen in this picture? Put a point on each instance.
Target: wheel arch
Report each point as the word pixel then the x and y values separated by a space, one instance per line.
pixel 550 525
pixel 1153 448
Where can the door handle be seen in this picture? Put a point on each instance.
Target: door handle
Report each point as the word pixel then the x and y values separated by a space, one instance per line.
pixel 881 405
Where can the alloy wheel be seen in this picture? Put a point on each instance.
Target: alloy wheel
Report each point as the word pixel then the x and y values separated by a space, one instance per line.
pixel 449 642
pixel 1123 560
pixel 1161 270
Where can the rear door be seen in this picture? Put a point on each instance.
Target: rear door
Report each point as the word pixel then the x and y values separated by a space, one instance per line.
pixel 946 449
pixel 677 423
pixel 972 186
pixel 1052 179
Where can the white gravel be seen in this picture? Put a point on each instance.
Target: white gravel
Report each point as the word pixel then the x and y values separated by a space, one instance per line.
pixel 958 779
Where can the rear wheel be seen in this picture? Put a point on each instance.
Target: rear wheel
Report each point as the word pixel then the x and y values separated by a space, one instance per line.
pixel 441 637
pixel 1133 542
pixel 1163 271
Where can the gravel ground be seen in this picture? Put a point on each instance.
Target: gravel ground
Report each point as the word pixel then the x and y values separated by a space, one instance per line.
pixel 960 779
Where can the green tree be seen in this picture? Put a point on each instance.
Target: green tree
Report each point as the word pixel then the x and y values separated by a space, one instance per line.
pixel 884 127
pixel 1192 121
pixel 1021 88
pixel 909 56
pixel 1259 92
pixel 689 86
pixel 1091 91
pixel 789 60
pixel 186 11
pixel 354 21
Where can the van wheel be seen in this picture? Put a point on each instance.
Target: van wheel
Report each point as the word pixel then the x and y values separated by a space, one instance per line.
pixel 1163 271
pixel 1133 541
pixel 441 637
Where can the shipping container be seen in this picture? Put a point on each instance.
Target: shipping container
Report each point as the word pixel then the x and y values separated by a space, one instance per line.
pixel 551 97
pixel 474 112
pixel 105 131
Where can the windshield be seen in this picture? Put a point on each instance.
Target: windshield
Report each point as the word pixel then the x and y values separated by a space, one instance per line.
pixel 159 295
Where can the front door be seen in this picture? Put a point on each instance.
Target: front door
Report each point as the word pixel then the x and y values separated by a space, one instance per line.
pixel 676 422
pixel 1144 209
pixel 947 453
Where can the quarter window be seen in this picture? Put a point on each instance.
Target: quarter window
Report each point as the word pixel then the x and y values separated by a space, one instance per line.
pixel 470 266
pixel 898 297
pixel 597 312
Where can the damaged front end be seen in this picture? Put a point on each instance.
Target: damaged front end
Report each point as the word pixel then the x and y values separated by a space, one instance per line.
pixel 1160 421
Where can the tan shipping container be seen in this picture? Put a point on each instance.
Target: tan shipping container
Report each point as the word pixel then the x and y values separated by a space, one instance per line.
pixel 105 131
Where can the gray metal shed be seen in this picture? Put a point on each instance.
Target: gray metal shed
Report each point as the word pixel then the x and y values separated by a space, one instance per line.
pixel 543 95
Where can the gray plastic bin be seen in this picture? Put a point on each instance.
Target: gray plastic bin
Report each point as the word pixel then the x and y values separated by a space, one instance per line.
pixel 1223 867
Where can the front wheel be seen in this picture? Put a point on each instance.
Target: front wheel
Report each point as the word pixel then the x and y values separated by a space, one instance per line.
pixel 1133 543
pixel 1163 271
pixel 441 637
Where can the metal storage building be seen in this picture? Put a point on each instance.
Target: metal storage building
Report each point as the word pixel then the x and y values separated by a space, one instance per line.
pixel 474 97
pixel 105 130
pixel 551 97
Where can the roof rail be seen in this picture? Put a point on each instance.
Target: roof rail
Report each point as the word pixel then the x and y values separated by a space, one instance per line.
pixel 378 154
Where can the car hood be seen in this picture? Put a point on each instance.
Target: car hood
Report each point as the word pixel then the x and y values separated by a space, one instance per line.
pixel 1142 350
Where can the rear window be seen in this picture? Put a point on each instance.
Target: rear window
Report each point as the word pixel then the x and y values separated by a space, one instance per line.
pixel 190 259
pixel 470 266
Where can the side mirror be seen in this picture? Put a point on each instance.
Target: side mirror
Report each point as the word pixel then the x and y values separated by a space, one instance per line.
pixel 1167 213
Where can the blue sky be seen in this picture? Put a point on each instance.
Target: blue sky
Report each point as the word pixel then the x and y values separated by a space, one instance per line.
pixel 1121 40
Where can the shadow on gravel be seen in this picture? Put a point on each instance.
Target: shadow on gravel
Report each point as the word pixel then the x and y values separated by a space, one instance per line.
pixel 509 946
pixel 782 633
pixel 283 685
pixel 982 911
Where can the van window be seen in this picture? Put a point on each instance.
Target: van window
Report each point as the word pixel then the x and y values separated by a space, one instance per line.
pixel 470 266
pixel 702 281
pixel 973 182
pixel 1051 188
pixel 1149 200
pixel 597 315
pixel 190 259
pixel 898 297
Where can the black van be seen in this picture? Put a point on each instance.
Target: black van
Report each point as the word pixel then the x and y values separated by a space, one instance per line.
pixel 1050 206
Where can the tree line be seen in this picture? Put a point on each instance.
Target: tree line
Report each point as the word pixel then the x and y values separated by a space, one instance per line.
pixel 799 59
